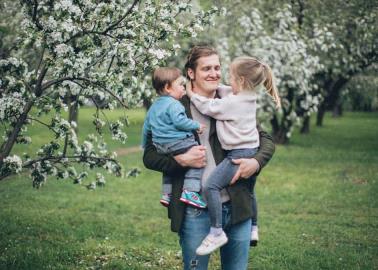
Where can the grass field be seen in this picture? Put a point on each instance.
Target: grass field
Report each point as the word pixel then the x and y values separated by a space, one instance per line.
pixel 317 209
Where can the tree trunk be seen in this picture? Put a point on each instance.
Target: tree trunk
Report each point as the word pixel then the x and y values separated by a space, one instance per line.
pixel 7 146
pixel 306 125
pixel 278 132
pixel 337 110
pixel 73 111
pixel 147 103
pixel 280 137
pixel 320 115
pixel 333 99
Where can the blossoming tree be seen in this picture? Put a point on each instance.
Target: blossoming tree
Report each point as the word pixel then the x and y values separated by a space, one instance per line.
pixel 287 53
pixel 353 51
pixel 96 51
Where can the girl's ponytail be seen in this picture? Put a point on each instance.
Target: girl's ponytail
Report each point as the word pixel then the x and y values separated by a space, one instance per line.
pixel 270 85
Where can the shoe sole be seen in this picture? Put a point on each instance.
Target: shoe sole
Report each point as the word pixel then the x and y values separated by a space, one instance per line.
pixel 192 203
pixel 212 250
pixel 253 243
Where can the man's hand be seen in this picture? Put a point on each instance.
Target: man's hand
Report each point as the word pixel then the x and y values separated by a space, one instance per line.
pixel 195 157
pixel 247 168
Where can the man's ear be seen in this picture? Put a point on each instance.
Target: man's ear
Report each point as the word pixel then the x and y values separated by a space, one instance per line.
pixel 190 73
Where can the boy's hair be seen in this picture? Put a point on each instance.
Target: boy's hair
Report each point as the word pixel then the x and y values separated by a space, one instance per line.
pixel 164 76
pixel 254 72
pixel 195 53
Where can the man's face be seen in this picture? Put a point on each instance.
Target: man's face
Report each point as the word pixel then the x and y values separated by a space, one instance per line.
pixel 206 76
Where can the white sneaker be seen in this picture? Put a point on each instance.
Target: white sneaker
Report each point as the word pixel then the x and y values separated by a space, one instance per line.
pixel 211 243
pixel 254 236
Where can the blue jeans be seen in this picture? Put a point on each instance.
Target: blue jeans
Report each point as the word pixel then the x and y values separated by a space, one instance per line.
pixel 196 226
pixel 221 178
pixel 193 176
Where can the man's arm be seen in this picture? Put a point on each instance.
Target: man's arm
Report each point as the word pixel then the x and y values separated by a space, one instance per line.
pixel 266 150
pixel 248 167
pixel 194 158
pixel 159 162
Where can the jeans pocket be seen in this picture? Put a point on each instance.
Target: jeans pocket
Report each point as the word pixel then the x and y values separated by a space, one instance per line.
pixel 193 212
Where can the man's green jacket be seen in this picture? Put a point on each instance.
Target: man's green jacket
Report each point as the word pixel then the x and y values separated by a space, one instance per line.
pixel 240 192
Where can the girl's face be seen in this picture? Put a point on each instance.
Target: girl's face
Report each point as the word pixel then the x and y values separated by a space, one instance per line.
pixel 176 89
pixel 234 81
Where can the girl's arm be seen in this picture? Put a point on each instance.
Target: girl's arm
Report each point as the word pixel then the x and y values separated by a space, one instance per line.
pixel 224 90
pixel 219 109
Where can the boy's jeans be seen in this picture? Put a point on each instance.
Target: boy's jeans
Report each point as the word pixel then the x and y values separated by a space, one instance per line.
pixel 193 176
pixel 219 179
pixel 196 226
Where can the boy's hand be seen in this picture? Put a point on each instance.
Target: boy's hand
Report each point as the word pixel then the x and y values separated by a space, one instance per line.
pixel 201 128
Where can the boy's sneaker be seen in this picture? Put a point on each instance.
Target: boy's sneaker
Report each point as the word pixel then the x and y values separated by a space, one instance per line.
pixel 165 199
pixel 254 236
pixel 211 243
pixel 192 198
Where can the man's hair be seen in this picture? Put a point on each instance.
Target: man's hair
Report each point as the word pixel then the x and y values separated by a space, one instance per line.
pixel 164 76
pixel 195 53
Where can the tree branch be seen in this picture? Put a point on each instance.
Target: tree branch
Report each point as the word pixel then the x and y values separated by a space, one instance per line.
pixel 122 18
pixel 34 16
pixel 56 81
pixel 58 158
pixel 42 123
pixel 40 61
pixel 38 87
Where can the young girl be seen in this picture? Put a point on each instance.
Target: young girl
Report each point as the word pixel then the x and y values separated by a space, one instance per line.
pixel 235 113
pixel 172 132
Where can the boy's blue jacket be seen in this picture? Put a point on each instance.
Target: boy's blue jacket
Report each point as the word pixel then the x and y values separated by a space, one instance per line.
pixel 167 121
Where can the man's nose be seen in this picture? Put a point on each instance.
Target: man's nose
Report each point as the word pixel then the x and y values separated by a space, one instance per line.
pixel 214 73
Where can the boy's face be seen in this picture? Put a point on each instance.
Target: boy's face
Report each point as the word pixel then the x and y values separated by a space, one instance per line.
pixel 206 76
pixel 177 88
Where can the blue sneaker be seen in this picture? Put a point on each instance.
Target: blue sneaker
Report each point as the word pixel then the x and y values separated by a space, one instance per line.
pixel 165 199
pixel 192 198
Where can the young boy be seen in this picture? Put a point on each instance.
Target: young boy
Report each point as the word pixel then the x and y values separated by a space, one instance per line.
pixel 172 132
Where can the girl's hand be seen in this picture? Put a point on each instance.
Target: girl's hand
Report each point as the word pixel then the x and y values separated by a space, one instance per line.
pixel 247 168
pixel 188 87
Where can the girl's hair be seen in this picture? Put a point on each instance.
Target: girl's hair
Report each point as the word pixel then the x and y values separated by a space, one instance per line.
pixel 164 76
pixel 195 53
pixel 254 72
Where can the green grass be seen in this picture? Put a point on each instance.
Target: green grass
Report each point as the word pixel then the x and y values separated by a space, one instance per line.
pixel 317 209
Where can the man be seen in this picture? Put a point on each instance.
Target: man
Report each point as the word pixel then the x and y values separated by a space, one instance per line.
pixel 193 224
